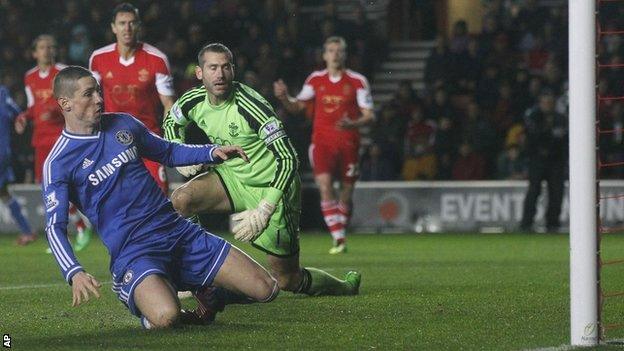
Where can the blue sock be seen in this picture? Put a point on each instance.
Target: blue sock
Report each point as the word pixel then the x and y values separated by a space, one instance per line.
pixel 16 211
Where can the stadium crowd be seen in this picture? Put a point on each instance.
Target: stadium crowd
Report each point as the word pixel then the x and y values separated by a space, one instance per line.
pixel 467 124
pixel 271 39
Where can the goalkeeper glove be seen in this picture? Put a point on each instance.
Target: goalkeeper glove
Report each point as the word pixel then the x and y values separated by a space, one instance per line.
pixel 189 171
pixel 249 224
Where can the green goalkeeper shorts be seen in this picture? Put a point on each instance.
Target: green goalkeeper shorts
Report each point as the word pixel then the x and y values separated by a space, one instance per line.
pixel 281 237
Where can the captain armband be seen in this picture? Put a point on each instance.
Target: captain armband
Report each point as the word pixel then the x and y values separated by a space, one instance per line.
pixel 272 131
pixel 273 137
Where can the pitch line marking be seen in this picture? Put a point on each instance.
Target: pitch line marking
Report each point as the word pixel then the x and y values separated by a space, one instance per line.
pixel 39 286
pixel 555 348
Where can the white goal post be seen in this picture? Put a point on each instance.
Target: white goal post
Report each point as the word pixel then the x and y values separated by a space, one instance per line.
pixel 584 304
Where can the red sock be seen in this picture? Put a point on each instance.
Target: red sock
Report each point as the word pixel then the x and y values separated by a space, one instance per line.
pixel 345 213
pixel 75 218
pixel 331 214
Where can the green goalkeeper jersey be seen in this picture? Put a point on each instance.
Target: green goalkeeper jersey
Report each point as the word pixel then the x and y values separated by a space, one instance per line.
pixel 245 119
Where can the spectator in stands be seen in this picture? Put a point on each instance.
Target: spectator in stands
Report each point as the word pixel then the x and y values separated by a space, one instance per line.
pixel 265 64
pixel 536 87
pixel 438 64
pixel 508 28
pixel 388 131
pixel 405 100
pixel 376 165
pixel 531 15
pixel 469 164
pixel 502 55
pixel 366 46
pixel 515 135
pixel 460 38
pixel 445 146
pixel 80 47
pixel 420 160
pixel 486 92
pixel 511 165
pixel 288 51
pixel 481 135
pixel 468 66
pixel 502 117
pixel 536 58
pixel 441 106
pixel 546 148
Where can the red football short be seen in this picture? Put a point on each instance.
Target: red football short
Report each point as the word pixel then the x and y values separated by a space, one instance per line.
pixel 341 160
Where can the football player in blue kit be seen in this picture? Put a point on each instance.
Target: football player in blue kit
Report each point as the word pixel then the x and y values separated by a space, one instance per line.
pixel 96 164
pixel 8 111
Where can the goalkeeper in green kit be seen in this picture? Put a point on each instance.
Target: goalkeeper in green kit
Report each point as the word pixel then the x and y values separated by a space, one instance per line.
pixel 264 194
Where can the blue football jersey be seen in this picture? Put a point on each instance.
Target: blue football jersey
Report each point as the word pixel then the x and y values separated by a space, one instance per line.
pixel 104 176
pixel 8 111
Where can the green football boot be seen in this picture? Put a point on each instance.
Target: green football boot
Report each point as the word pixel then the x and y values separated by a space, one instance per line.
pixel 83 239
pixel 354 279
pixel 338 249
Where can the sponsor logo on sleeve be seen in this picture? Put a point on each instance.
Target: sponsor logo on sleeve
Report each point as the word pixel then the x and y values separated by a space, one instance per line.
pixel 271 132
pixel 270 128
pixel 51 202
pixel 176 112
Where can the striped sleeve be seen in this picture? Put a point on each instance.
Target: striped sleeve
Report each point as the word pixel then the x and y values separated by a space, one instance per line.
pixel 166 152
pixel 261 117
pixel 55 187
pixel 179 116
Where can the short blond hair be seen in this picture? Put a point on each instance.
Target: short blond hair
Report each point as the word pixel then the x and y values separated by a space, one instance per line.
pixel 335 39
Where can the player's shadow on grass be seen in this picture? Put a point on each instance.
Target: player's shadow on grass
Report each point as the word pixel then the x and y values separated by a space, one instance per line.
pixel 129 338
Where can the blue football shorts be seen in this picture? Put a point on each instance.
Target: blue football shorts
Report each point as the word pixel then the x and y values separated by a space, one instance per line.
pixel 192 263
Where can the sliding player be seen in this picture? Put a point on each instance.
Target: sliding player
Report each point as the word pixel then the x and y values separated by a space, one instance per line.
pixel 96 163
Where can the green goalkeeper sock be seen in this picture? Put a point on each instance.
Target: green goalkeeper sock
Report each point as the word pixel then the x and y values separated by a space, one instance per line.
pixel 316 282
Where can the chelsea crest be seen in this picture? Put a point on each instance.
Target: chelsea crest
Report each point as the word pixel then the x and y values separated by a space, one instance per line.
pixel 124 137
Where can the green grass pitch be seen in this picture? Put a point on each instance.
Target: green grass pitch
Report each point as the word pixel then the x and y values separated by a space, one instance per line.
pixel 419 292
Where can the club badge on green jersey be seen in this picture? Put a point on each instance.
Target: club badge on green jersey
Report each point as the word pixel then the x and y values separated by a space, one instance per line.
pixel 233 130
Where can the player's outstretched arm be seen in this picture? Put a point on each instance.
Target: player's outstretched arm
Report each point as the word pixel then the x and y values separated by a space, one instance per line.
pixel 291 104
pixel 223 153
pixel 226 152
pixel 172 154
pixel 84 285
